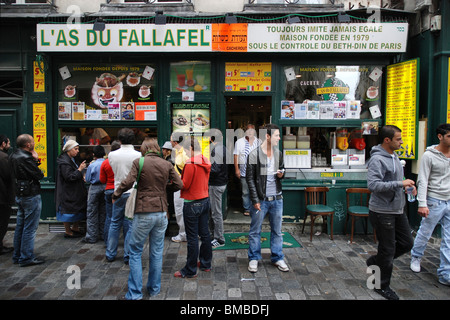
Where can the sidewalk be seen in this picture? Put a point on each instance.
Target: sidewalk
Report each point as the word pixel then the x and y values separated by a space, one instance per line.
pixel 320 270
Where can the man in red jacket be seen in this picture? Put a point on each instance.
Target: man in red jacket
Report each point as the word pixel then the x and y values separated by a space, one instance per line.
pixel 195 177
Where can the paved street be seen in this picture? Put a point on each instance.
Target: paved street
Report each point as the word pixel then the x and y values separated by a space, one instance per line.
pixel 321 269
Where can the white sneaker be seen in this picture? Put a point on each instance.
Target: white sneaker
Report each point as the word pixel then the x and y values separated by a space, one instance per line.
pixel 178 238
pixel 281 265
pixel 415 264
pixel 253 266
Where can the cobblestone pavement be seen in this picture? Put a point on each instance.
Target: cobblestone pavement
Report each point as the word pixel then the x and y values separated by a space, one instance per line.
pixel 320 270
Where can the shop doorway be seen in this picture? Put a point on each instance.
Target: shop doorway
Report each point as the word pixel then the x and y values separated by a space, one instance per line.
pixel 240 111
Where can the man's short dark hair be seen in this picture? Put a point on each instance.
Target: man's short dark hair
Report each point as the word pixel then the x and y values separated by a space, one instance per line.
pixel 443 129
pixel 270 129
pixel 3 138
pixel 388 131
pixel 126 136
pixel 99 152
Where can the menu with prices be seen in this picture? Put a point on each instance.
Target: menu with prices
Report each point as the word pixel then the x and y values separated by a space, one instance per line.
pixel 401 103
pixel 248 76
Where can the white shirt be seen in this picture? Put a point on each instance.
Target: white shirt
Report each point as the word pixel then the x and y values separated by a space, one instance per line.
pixel 242 149
pixel 121 161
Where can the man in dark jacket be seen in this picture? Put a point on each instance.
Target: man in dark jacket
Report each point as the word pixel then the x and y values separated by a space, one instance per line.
pixel 218 180
pixel 265 169
pixel 6 191
pixel 27 174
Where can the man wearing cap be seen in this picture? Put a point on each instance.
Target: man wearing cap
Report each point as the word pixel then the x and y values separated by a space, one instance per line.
pixel 24 163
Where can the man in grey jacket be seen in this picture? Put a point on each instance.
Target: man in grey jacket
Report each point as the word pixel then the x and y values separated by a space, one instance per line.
pixel 386 206
pixel 434 202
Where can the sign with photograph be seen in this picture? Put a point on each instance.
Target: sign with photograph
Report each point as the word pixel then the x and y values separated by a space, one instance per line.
pixel 190 76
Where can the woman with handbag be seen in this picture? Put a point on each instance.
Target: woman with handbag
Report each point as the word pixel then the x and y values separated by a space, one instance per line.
pixel 150 215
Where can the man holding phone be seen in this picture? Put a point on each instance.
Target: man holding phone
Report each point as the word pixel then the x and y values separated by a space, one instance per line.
pixel 265 169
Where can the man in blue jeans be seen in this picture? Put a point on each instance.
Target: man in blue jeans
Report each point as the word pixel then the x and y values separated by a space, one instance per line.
pixel 121 161
pixel 433 194
pixel 265 169
pixel 24 162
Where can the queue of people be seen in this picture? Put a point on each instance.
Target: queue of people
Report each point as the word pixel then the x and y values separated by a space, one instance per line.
pixel 196 184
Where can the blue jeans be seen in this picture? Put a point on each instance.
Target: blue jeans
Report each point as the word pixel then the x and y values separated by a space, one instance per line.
pixel 95 215
pixel 117 221
pixel 152 225
pixel 196 217
pixel 28 215
pixel 439 213
pixel 108 210
pixel 246 202
pixel 275 210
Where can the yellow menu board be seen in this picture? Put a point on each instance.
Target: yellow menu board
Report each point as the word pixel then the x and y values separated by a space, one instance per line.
pixel 448 93
pixel 248 76
pixel 40 134
pixel 401 103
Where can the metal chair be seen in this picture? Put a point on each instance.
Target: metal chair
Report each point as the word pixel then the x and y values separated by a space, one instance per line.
pixel 359 210
pixel 315 201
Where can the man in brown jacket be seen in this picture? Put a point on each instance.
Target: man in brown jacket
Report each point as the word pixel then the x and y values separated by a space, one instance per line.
pixel 150 218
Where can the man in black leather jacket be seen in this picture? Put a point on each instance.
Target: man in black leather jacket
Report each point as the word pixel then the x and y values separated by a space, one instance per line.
pixel 6 191
pixel 265 169
pixel 24 162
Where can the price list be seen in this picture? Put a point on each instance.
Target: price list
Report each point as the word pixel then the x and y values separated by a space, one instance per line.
pixel 248 76
pixel 40 134
pixel 401 104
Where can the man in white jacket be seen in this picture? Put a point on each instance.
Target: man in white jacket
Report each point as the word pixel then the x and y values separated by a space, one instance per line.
pixel 434 202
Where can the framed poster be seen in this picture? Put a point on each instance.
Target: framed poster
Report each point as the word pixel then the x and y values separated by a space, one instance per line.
pixel 190 76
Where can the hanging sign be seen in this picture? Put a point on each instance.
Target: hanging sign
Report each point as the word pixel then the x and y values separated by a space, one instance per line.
pixel 40 134
pixel 38 76
pixel 401 104
pixel 245 76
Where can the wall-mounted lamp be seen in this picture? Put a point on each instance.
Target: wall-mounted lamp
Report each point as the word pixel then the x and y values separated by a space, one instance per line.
pixel 343 17
pixel 230 18
pixel 160 18
pixel 293 19
pixel 99 25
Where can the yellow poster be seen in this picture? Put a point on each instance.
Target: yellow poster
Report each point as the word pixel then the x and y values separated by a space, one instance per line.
pixel 401 104
pixel 38 77
pixel 40 134
pixel 243 76
pixel 448 93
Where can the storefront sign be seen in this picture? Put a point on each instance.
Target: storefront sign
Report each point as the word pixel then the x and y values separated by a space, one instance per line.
pixel 38 77
pixel 40 134
pixel 401 103
pixel 253 37
pixel 248 76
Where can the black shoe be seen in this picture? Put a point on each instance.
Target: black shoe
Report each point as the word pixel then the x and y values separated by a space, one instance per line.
pixel 31 263
pixel 5 250
pixel 387 293
pixel 74 235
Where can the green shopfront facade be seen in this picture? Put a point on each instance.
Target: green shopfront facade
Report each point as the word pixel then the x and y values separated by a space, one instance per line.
pixel 173 73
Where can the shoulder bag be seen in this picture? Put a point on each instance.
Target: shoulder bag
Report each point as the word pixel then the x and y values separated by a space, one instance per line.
pixel 131 202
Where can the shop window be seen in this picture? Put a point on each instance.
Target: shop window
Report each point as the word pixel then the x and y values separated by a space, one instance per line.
pixel 96 92
pixel 11 87
pixel 190 76
pixel 90 136
pixel 332 92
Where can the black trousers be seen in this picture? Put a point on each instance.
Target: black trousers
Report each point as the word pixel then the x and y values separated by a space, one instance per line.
pixel 5 214
pixel 394 239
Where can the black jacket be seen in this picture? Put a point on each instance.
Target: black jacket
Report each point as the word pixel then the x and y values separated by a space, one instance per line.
pixel 219 167
pixel 26 173
pixel 6 180
pixel 71 191
pixel 256 174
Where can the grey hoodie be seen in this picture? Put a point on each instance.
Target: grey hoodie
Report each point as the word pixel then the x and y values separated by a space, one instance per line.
pixel 434 176
pixel 384 180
